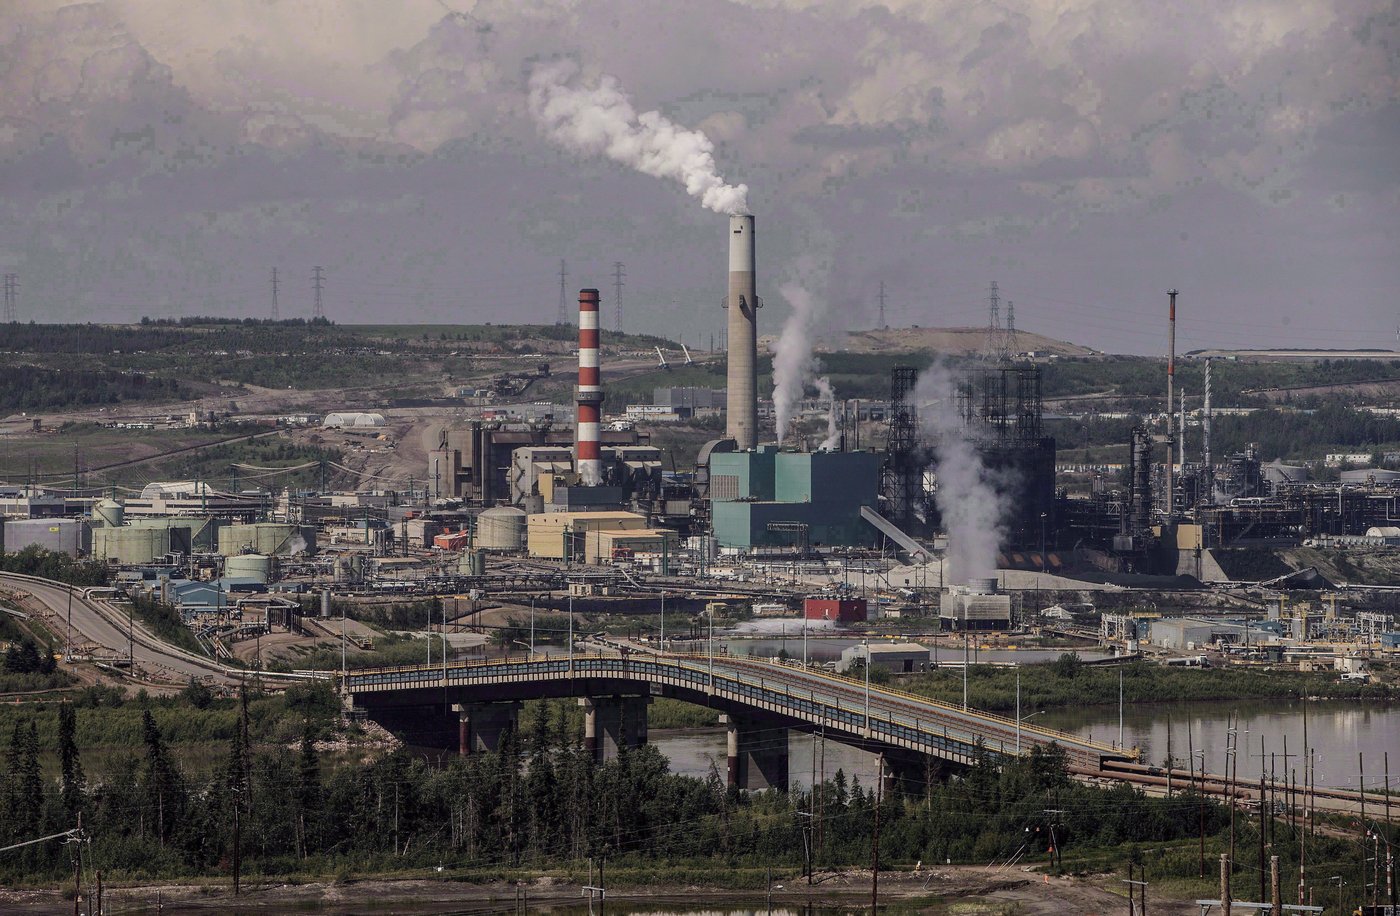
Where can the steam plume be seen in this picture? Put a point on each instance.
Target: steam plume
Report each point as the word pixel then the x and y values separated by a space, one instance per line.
pixel 973 507
pixel 792 354
pixel 602 120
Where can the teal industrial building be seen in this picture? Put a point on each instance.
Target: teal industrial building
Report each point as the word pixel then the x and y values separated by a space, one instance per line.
pixel 749 491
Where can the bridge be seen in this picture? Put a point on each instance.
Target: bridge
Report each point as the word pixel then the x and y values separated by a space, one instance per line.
pixel 477 701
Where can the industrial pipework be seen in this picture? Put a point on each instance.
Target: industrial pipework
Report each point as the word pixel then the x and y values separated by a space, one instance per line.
pixel 589 394
pixel 741 423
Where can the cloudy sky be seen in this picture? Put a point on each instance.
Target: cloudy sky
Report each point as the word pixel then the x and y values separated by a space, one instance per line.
pixel 160 157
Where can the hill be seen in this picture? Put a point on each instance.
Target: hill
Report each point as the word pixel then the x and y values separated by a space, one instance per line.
pixel 956 341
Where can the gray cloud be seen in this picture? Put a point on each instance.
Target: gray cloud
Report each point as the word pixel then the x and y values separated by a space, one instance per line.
pixel 1087 153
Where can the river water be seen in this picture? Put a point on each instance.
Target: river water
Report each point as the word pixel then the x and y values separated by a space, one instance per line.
pixel 1338 731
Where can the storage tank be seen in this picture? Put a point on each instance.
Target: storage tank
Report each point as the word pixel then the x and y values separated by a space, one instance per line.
pixel 109 512
pixel 472 563
pixel 501 528
pixel 267 538
pixel 132 546
pixel 58 535
pixel 249 566
pixel 1276 472
pixel 1365 476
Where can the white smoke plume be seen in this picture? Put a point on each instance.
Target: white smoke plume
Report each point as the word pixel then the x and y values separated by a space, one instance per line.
pixel 602 120
pixel 793 365
pixel 828 394
pixel 973 508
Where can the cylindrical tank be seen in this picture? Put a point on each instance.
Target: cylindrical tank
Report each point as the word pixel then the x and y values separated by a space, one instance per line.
pixel 109 512
pixel 249 566
pixel 1276 472
pixel 266 538
pixel 472 563
pixel 501 528
pixel 325 602
pixel 131 546
pixel 1363 476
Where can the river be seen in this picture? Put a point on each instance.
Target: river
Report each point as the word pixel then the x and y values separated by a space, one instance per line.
pixel 1337 731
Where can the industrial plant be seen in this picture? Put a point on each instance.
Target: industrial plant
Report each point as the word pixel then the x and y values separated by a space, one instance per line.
pixel 944 504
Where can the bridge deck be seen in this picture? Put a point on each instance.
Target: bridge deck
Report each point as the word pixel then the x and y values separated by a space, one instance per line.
pixel 808 699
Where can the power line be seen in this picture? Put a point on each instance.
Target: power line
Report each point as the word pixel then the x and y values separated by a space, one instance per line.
pixel 618 274
pixel 562 316
pixel 318 277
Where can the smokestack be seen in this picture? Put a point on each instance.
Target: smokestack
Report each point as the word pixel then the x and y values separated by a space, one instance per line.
pixel 589 393
pixel 1171 382
pixel 741 422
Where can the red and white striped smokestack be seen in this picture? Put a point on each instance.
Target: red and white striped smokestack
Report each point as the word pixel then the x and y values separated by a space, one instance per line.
pixel 589 395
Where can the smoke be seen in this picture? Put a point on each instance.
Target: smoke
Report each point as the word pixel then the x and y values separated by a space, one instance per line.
pixel 793 365
pixel 589 475
pixel 973 507
pixel 602 120
pixel 827 393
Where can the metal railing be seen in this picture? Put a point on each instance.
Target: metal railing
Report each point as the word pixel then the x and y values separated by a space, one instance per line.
pixel 729 667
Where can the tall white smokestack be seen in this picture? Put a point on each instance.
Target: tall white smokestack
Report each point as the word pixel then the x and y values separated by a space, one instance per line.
pixel 742 419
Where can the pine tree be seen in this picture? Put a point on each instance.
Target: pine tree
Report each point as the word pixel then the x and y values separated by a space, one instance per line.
pixel 70 765
pixel 308 795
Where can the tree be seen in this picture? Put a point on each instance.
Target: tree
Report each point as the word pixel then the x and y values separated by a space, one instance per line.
pixel 70 766
pixel 308 791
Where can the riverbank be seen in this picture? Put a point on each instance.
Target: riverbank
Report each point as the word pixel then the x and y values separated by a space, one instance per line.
pixel 1068 683
pixel 943 890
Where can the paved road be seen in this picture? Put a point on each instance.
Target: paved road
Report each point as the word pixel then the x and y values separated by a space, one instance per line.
pixel 104 624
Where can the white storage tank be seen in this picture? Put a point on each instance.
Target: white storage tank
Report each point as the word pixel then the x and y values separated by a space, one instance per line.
pixel 253 566
pixel 109 512
pixel 501 528
pixel 57 535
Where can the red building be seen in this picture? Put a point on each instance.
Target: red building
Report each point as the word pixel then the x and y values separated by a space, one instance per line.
pixel 846 610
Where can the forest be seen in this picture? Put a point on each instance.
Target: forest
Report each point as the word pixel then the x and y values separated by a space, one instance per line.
pixel 538 805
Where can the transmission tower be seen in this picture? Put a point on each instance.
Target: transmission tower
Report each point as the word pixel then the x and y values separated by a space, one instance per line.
pixel 996 340
pixel 1013 343
pixel 318 279
pixel 274 294
pixel 618 274
pixel 881 324
pixel 11 296
pixel 562 316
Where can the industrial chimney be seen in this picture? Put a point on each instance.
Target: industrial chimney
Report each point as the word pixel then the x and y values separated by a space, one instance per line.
pixel 589 393
pixel 741 423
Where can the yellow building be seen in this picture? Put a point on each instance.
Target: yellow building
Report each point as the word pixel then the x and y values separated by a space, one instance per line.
pixel 611 544
pixel 565 535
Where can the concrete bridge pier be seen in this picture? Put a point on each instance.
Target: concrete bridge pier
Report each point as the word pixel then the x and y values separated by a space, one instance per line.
pixel 612 723
pixel 480 726
pixel 911 773
pixel 757 752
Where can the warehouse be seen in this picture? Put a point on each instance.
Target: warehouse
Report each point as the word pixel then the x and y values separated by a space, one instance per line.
pixel 563 535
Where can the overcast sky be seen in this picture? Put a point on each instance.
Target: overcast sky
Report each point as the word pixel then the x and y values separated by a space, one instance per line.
pixel 160 157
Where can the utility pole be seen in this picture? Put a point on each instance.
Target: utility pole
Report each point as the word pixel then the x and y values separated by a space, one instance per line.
pixel 618 274
pixel 275 314
pixel 562 316
pixel 875 839
pixel 881 324
pixel 318 279
pixel 1225 901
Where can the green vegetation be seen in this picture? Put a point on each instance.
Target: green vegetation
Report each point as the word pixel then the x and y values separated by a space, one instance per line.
pixel 30 388
pixel 540 806
pixel 36 561
pixel 1069 682
pixel 164 621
